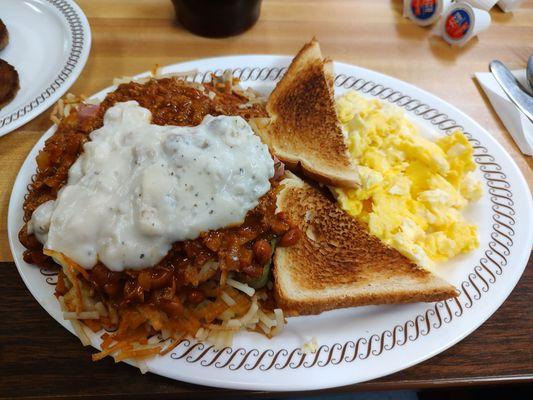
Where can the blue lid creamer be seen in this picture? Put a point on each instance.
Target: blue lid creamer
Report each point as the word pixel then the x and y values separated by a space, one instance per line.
pixel 461 22
pixel 424 12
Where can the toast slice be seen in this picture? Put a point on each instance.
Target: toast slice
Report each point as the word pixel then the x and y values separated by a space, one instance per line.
pixel 304 131
pixel 337 263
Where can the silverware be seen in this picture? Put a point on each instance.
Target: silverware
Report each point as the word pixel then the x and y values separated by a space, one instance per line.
pixel 512 88
pixel 529 72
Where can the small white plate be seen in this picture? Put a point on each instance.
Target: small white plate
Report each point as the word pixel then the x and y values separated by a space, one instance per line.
pixel 355 344
pixel 49 42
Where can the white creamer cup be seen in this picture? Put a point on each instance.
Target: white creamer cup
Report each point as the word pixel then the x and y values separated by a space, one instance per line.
pixel 461 22
pixel 509 5
pixel 424 12
pixel 482 4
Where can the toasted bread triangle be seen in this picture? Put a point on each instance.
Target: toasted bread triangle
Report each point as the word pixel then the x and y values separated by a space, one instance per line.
pixel 304 131
pixel 337 263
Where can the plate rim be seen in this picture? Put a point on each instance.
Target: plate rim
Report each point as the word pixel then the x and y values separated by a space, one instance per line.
pixel 78 27
pixel 243 385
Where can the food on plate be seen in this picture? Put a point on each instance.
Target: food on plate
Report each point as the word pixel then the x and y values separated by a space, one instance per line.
pixel 337 263
pixel 9 82
pixel 170 217
pixel 304 130
pixel 159 203
pixel 4 35
pixel 413 189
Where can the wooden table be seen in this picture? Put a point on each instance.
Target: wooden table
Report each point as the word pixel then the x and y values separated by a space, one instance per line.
pixel 39 358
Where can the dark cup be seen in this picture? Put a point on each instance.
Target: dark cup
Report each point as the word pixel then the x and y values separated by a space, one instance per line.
pixel 217 18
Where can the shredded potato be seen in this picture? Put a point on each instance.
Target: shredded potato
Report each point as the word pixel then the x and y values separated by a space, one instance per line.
pixel 227 299
pixel 81 315
pixel 241 286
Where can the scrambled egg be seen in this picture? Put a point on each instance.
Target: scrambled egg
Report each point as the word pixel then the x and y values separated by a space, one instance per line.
pixel 412 189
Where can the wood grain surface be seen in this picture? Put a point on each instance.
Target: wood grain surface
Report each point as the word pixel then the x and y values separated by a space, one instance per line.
pixel 39 358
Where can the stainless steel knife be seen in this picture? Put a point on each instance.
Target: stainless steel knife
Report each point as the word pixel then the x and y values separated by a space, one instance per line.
pixel 512 88
pixel 529 72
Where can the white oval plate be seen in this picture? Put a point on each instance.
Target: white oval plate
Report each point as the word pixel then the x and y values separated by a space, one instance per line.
pixel 49 41
pixel 362 343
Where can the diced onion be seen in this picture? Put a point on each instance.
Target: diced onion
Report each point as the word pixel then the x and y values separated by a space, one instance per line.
pixel 311 346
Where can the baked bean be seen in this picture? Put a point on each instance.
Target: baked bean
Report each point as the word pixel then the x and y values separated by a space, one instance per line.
pixel 195 296
pixel 290 238
pixel 262 251
pixel 133 292
pixel 160 278
pixel 278 226
pixel 99 275
pixel 145 280
pixel 27 256
pixel 106 280
pixel 172 308
pixel 112 289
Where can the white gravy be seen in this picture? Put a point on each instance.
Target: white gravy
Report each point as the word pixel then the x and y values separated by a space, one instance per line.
pixel 138 187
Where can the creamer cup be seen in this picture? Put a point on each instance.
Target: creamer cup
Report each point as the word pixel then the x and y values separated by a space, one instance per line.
pixel 509 5
pixel 482 4
pixel 461 22
pixel 424 12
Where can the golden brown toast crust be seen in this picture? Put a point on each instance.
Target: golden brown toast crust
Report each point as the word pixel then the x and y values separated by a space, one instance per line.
pixel 304 131
pixel 337 263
